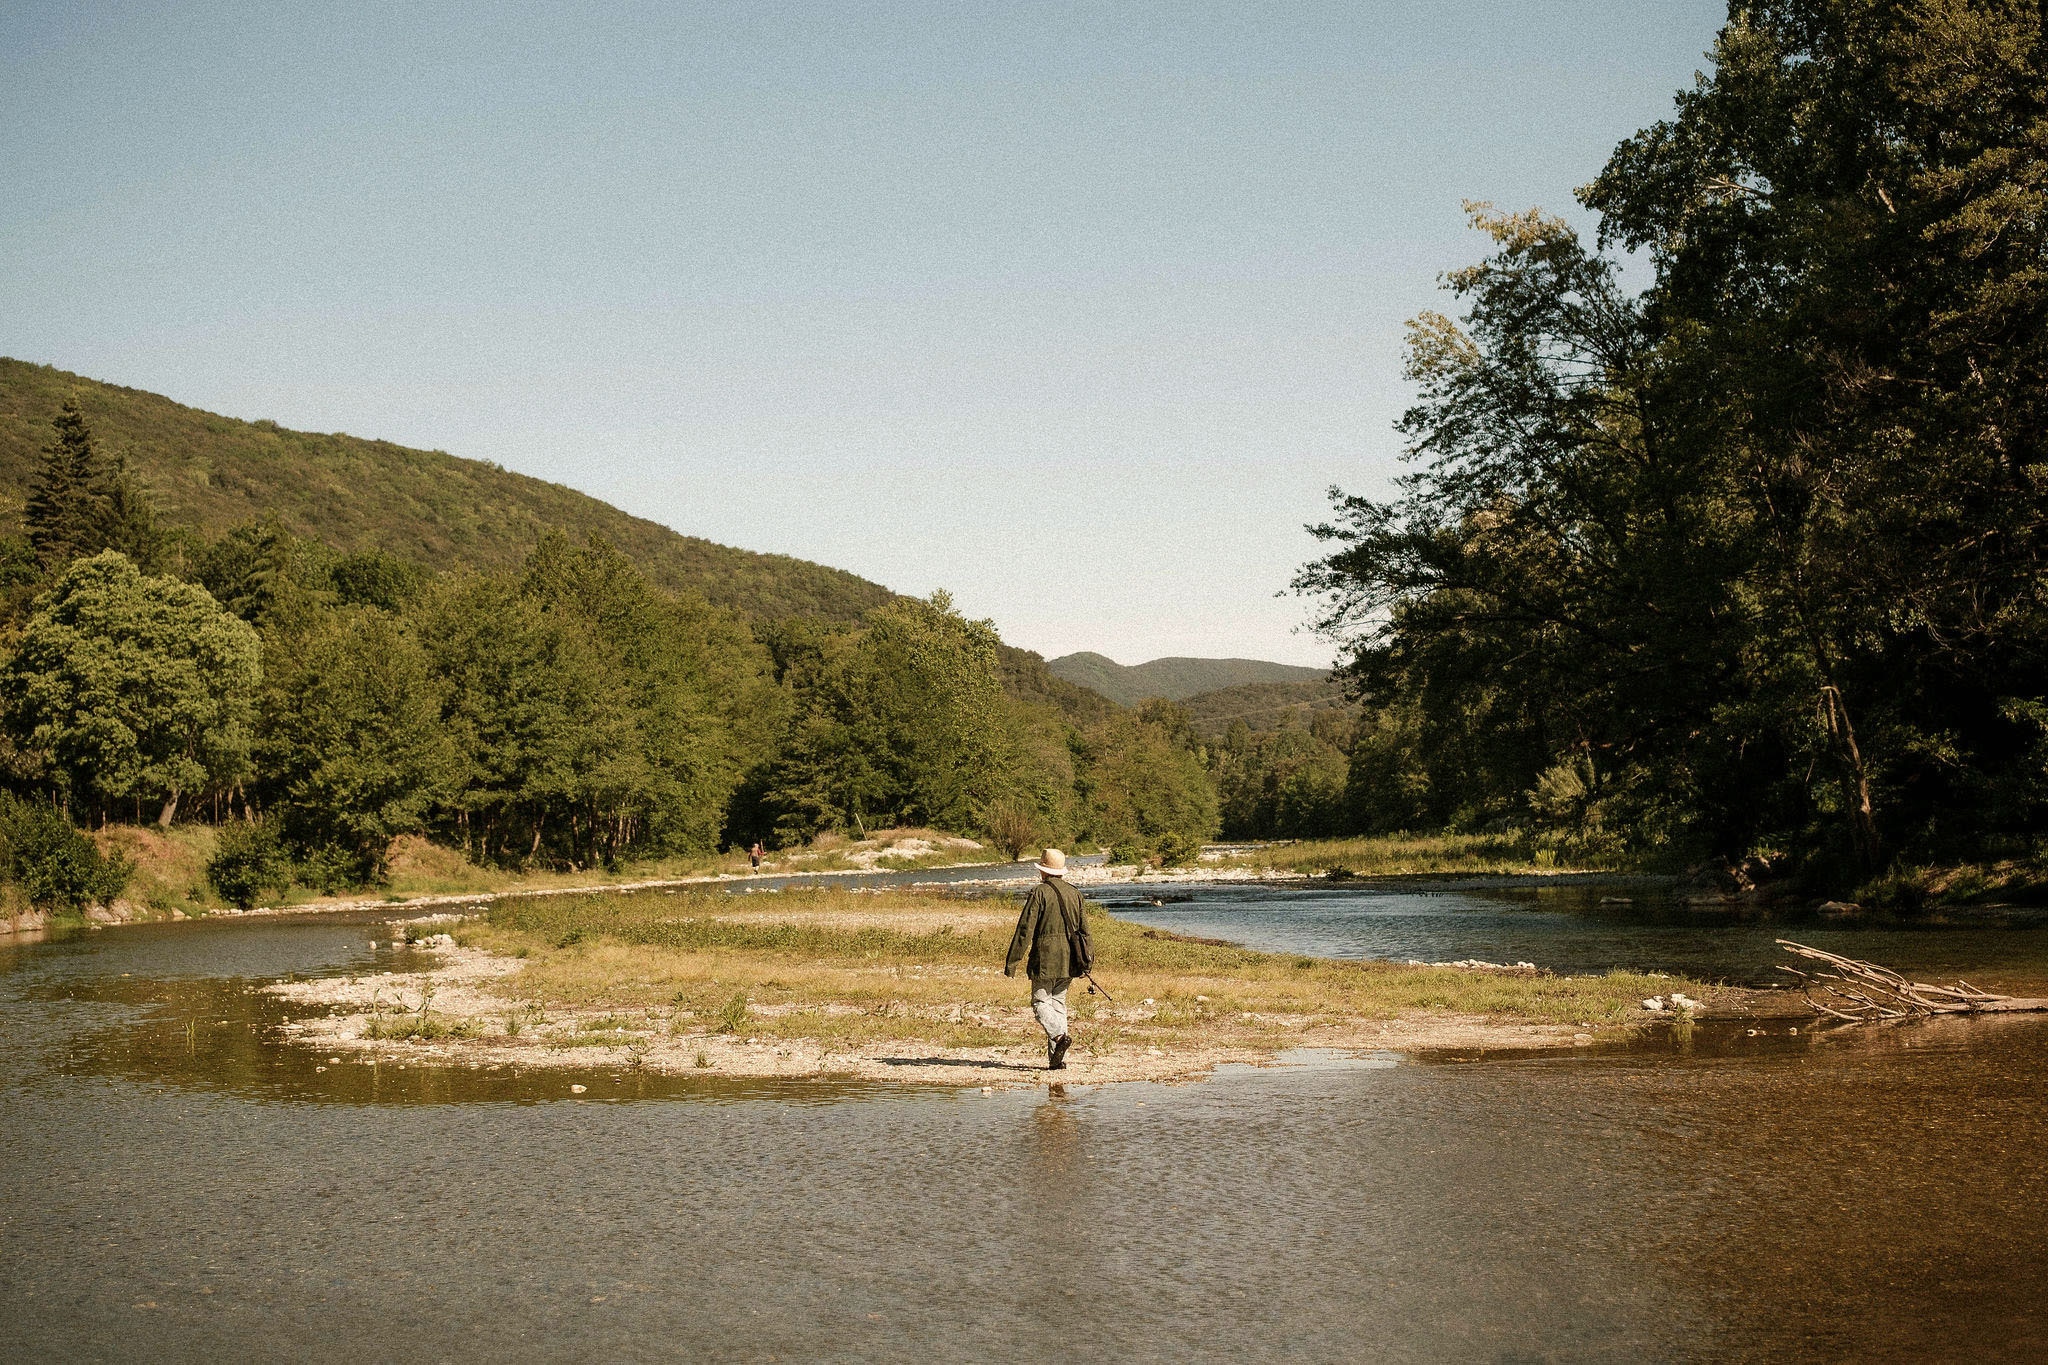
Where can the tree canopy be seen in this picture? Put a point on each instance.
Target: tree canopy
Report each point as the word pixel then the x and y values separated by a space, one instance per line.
pixel 133 688
pixel 1754 555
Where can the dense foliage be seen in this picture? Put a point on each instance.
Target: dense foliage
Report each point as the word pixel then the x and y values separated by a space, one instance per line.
pixel 49 863
pixel 1750 562
pixel 125 688
pixel 319 704
pixel 1144 786
pixel 1288 781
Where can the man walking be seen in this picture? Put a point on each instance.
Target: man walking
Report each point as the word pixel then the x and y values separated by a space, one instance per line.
pixel 1052 944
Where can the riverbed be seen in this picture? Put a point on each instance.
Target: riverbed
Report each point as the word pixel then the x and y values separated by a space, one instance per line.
pixel 175 1184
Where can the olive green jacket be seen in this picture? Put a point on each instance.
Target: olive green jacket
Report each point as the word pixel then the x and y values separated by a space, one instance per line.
pixel 1052 935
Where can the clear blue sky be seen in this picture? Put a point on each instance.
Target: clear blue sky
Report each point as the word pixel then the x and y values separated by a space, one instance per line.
pixel 1073 309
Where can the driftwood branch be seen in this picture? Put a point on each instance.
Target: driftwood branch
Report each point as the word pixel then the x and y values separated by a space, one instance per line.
pixel 1861 991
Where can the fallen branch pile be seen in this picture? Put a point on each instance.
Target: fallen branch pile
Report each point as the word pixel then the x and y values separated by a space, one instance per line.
pixel 1864 991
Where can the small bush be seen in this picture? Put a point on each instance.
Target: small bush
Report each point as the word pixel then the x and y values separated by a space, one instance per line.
pixel 1177 849
pixel 1014 827
pixel 332 869
pixel 248 861
pixel 1123 851
pixel 55 866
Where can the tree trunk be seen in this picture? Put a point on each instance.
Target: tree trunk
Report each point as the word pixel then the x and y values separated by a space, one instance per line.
pixel 170 810
pixel 1861 816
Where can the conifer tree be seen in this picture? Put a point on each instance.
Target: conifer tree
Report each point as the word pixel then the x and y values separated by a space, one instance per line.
pixel 84 501
pixel 60 514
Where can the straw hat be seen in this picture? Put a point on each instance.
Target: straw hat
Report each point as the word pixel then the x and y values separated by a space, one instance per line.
pixel 1053 864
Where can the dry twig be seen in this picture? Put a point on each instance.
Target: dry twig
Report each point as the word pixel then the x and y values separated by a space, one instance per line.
pixel 1864 991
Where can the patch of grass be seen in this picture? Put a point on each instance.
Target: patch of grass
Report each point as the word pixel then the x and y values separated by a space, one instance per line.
pixel 169 865
pixel 576 1038
pixel 422 1027
pixel 732 1015
pixel 848 968
pixel 1408 855
pixel 887 850
pixel 1911 890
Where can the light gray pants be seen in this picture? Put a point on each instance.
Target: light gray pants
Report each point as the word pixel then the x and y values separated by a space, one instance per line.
pixel 1049 1003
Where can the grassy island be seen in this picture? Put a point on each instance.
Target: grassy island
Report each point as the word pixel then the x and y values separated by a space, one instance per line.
pixel 905 983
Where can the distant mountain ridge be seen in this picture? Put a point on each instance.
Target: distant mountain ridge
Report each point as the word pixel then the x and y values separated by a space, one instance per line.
pixel 1174 679
pixel 1263 706
pixel 210 472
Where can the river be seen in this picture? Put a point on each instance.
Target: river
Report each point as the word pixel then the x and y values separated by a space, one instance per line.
pixel 175 1186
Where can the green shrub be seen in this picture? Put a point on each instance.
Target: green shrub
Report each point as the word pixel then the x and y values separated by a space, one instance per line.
pixel 55 866
pixel 1122 851
pixel 332 869
pixel 248 861
pixel 1014 827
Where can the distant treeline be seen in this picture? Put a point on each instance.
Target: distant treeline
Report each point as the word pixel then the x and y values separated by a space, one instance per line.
pixel 1751 562
pixel 568 714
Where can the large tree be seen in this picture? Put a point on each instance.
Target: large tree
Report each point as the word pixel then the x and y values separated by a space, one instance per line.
pixel 1849 223
pixel 353 750
pixel 700 687
pixel 552 758
pixel 1767 545
pixel 130 688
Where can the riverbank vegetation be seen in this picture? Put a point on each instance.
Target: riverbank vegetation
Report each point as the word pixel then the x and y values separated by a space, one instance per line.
pixel 1513 853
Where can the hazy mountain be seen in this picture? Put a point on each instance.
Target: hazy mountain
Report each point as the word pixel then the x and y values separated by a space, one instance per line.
pixel 1174 679
pixel 210 472
pixel 1263 706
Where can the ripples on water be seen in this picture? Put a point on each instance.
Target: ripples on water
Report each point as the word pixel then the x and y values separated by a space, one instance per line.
pixel 1579 928
pixel 175 1194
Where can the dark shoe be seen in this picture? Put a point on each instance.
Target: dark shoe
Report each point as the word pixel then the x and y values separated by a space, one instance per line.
pixel 1057 1053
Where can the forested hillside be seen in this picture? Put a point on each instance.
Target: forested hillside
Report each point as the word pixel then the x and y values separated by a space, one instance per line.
pixel 1263 706
pixel 209 473
pixel 307 703
pixel 1173 679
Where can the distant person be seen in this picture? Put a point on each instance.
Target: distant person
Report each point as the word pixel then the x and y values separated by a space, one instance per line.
pixel 756 853
pixel 1052 944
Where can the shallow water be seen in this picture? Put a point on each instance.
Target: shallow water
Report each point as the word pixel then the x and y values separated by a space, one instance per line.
pixel 1582 927
pixel 175 1185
